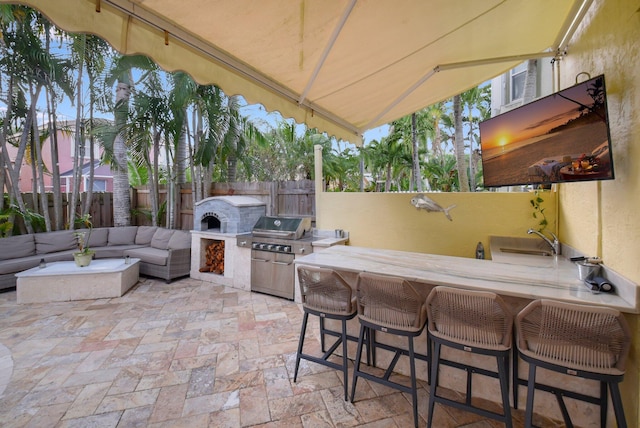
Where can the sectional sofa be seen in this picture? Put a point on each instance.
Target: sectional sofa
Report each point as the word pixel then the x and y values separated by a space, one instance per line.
pixel 163 253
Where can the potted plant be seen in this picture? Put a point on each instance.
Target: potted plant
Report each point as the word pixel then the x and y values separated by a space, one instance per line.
pixel 84 254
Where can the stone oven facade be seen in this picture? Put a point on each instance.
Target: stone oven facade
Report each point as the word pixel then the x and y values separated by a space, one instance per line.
pixel 228 214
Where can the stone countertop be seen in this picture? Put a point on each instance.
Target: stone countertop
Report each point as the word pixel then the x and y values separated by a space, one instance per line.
pixel 328 238
pixel 558 282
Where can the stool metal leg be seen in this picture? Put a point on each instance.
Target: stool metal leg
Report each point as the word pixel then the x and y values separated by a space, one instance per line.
pixel 305 318
pixel 414 391
pixel 435 362
pixel 503 374
pixel 344 359
pixel 528 421
pixel 356 367
pixel 617 404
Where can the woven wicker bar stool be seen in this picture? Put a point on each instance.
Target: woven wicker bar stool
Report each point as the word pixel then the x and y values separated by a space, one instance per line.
pixel 391 305
pixel 328 296
pixel 578 340
pixel 478 322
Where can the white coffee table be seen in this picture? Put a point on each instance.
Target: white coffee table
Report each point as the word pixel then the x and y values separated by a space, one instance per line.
pixel 63 281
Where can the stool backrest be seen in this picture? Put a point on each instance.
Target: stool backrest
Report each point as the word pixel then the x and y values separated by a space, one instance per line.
pixel 474 318
pixel 390 301
pixel 325 290
pixel 590 338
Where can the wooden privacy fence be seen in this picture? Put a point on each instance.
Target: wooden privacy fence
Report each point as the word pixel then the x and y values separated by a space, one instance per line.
pixel 101 209
pixel 282 198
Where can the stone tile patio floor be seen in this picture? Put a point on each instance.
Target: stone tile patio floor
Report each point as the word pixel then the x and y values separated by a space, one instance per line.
pixel 185 354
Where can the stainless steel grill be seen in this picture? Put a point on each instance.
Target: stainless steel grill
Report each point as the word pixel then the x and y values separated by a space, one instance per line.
pixel 274 243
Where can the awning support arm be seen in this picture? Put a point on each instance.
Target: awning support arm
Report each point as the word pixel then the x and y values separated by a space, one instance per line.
pixel 327 49
pixel 453 66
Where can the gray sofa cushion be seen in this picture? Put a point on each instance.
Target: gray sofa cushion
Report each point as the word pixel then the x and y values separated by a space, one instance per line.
pixel 180 239
pixel 161 239
pixel 149 255
pixel 124 235
pixel 51 242
pixel 18 265
pixel 99 237
pixel 17 246
pixel 112 251
pixel 144 235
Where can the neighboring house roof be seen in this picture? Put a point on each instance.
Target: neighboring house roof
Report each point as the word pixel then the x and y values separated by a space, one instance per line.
pixel 102 171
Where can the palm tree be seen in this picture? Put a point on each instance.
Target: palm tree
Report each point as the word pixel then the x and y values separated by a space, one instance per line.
pixel 475 100
pixel 28 64
pixel 461 159
pixel 121 72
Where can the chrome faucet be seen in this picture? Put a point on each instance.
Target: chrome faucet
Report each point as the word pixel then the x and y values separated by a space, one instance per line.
pixel 555 245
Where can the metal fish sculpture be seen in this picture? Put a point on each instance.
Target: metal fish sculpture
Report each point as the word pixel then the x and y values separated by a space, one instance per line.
pixel 422 202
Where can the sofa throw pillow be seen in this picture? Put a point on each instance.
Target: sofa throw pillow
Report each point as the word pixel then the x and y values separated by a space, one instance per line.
pixel 144 235
pixel 180 239
pixel 98 238
pixel 161 238
pixel 122 235
pixel 18 246
pixel 51 242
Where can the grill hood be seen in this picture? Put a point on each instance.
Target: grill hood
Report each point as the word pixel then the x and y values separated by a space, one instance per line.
pixel 282 227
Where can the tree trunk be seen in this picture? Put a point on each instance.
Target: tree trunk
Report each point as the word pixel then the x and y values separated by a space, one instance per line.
pixel 530 81
pixel 44 202
pixel 121 195
pixel 14 172
pixel 78 158
pixel 182 153
pixel 55 166
pixel 463 179
pixel 417 176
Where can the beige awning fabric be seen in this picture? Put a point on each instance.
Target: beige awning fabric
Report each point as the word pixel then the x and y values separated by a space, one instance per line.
pixel 342 66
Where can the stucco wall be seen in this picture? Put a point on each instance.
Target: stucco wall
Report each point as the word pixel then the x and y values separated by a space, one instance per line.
pixel 603 218
pixel 388 220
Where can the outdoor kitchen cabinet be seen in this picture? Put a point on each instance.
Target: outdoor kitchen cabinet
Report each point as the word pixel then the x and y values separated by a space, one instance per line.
pixel 273 273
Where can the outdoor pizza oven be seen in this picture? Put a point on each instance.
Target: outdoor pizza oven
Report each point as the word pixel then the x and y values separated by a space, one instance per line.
pixel 228 214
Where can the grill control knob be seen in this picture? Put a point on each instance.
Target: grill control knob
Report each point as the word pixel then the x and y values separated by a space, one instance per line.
pixel 286 248
pixel 270 247
pixel 255 245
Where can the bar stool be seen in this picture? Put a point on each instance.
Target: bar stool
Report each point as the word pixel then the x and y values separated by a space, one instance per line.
pixel 390 305
pixel 328 296
pixel 478 322
pixel 578 340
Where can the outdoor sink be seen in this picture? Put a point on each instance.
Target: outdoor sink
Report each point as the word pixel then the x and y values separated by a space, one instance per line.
pixel 523 251
pixel 528 252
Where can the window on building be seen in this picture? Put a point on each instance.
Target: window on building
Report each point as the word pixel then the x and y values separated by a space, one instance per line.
pixel 517 76
pixel 99 185
pixel 86 148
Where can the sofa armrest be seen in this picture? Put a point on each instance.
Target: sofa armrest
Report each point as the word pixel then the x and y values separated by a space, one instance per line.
pixel 179 262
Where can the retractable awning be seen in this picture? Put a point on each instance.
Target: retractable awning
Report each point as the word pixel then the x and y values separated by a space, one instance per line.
pixel 342 66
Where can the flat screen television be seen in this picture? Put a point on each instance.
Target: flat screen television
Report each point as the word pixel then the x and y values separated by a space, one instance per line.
pixel 563 137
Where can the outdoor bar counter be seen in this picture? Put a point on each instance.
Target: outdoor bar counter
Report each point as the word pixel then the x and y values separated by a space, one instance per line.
pixel 517 284
pixel 558 281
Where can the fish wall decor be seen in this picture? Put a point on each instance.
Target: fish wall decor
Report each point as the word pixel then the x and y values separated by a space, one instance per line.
pixel 423 202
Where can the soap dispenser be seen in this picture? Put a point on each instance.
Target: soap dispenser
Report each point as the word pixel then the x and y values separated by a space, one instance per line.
pixel 479 251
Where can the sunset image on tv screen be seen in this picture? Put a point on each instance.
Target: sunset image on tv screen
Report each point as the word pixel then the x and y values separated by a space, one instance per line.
pixel 559 138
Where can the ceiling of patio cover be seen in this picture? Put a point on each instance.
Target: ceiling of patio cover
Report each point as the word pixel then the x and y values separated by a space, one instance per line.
pixel 342 66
